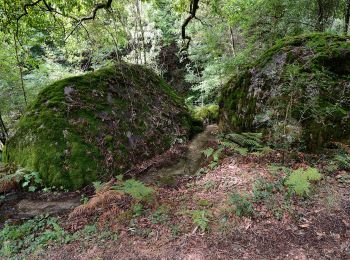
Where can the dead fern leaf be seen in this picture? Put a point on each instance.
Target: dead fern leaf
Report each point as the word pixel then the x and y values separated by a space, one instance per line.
pixel 100 200
pixel 106 186
pixel 9 182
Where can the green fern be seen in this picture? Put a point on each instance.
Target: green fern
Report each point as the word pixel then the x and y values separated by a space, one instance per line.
pixel 208 152
pixel 299 180
pixel 243 206
pixel 136 189
pixel 246 140
pixel 343 161
pixel 201 219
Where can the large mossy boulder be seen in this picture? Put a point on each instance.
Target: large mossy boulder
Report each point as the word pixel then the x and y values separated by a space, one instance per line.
pixel 98 125
pixel 297 93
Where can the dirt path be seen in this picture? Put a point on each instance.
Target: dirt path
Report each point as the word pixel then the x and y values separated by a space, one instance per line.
pixel 19 206
pixel 186 166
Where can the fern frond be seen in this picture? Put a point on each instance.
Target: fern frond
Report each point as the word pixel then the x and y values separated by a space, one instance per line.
pixel 299 180
pixel 247 140
pixel 343 161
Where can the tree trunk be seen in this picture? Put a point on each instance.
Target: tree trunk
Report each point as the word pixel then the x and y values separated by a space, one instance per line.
pixel 347 18
pixel 320 16
pixel 139 18
pixel 20 70
pixel 233 45
pixel 3 130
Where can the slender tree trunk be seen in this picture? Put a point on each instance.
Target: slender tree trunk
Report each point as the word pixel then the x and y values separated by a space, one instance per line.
pixel 3 130
pixel 347 18
pixel 233 45
pixel 320 16
pixel 139 18
pixel 20 70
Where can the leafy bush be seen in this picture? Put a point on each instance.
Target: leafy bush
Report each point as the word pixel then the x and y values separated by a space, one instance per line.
pixel 209 113
pixel 243 206
pixel 299 180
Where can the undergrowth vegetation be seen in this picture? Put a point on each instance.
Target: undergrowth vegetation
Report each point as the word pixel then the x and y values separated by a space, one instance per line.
pixel 30 236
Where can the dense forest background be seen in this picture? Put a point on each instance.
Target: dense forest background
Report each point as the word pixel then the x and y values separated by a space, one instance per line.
pixel 195 45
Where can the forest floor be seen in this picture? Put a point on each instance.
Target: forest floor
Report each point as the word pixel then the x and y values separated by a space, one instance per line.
pixel 236 208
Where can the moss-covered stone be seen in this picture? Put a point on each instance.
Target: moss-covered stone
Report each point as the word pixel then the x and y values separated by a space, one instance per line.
pixel 298 92
pixel 93 126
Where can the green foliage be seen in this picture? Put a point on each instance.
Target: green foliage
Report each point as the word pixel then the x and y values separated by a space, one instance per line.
pixel 243 205
pixel 262 190
pixel 200 219
pixel 244 143
pixel 299 181
pixel 32 181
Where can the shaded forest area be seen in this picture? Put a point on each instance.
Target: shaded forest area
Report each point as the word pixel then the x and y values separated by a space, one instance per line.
pixel 184 129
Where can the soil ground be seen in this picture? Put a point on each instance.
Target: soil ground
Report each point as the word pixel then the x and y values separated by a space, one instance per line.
pixel 317 227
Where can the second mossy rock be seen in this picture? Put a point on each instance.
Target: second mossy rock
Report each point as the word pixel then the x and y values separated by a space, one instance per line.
pixel 297 93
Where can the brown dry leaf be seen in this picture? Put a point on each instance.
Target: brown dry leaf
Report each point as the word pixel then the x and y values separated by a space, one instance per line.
pixel 304 225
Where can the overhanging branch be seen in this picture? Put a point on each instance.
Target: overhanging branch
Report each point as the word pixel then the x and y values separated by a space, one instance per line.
pixel 194 6
pixel 49 8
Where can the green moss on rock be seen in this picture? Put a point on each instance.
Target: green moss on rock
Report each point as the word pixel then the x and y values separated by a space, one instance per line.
pixel 94 126
pixel 298 92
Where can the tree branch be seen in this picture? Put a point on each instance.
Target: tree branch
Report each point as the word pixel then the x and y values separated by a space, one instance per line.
pixel 25 7
pixel 194 6
pixel 92 16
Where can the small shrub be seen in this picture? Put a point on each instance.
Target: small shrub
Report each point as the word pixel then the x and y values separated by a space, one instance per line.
pixel 215 154
pixel 299 180
pixel 243 206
